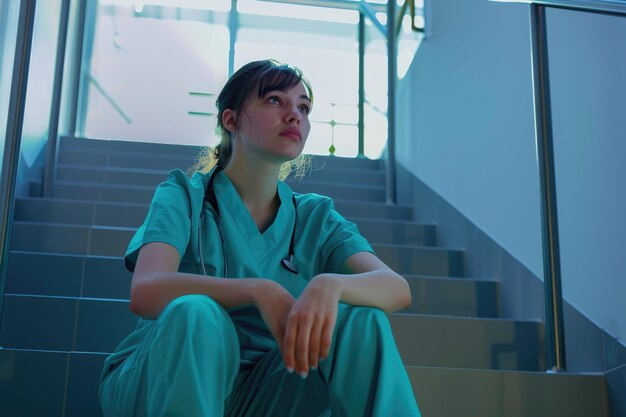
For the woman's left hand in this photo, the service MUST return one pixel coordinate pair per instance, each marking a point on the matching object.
(310, 325)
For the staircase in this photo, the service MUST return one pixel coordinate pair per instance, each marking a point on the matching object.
(66, 302)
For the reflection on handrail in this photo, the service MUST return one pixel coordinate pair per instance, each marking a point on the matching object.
(411, 5)
(108, 97)
(368, 11)
(375, 108)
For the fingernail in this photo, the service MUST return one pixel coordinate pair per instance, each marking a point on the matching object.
(313, 368)
(303, 375)
(290, 370)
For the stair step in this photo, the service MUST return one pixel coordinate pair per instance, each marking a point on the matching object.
(73, 275)
(143, 194)
(52, 323)
(105, 213)
(440, 392)
(69, 275)
(422, 260)
(444, 392)
(401, 232)
(462, 342)
(71, 239)
(149, 155)
(153, 177)
(454, 296)
(132, 215)
(113, 241)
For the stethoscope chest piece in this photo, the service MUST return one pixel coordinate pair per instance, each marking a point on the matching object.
(289, 266)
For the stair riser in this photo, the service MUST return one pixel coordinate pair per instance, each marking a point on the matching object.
(454, 297)
(105, 241)
(131, 215)
(422, 261)
(457, 392)
(51, 324)
(67, 275)
(128, 177)
(500, 393)
(38, 210)
(45, 323)
(102, 192)
(469, 343)
(130, 154)
(106, 278)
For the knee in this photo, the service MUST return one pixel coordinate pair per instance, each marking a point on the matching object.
(368, 320)
(194, 308)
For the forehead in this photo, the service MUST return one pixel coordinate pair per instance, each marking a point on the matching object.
(298, 90)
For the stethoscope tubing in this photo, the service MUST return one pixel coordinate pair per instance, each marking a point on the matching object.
(209, 196)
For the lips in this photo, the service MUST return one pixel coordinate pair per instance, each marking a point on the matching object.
(292, 133)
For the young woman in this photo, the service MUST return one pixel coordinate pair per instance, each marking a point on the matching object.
(298, 328)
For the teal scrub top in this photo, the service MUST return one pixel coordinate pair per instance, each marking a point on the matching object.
(323, 241)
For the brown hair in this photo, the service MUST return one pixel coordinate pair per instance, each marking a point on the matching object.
(260, 77)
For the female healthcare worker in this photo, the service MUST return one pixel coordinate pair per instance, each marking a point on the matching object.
(299, 327)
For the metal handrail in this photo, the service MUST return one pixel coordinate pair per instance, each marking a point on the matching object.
(411, 5)
(108, 97)
(13, 138)
(55, 108)
(555, 339)
(368, 10)
(392, 73)
(391, 32)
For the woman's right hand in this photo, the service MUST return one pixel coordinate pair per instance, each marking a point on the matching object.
(274, 303)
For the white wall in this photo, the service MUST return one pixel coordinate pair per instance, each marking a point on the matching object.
(465, 128)
(588, 84)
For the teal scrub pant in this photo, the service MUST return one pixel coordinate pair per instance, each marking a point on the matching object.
(188, 366)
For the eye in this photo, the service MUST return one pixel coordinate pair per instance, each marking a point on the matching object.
(273, 100)
(304, 108)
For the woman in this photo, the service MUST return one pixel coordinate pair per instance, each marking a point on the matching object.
(299, 328)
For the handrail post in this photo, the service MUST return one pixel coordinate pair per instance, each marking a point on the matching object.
(391, 102)
(555, 348)
(76, 68)
(13, 137)
(233, 27)
(361, 153)
(53, 129)
(89, 17)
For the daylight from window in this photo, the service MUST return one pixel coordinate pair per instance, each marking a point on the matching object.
(155, 68)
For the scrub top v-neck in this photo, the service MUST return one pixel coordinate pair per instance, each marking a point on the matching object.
(324, 240)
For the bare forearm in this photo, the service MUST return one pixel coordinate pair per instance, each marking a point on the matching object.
(151, 294)
(383, 289)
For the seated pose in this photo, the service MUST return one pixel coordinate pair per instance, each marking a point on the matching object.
(255, 301)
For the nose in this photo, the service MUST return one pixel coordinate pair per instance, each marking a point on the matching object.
(293, 115)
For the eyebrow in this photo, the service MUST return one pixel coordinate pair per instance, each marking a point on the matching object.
(303, 96)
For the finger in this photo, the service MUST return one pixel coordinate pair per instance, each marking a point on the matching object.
(315, 343)
(327, 338)
(289, 344)
(302, 346)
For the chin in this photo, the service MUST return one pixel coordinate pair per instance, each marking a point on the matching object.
(286, 155)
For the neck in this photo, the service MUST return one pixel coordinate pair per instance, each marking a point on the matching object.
(255, 181)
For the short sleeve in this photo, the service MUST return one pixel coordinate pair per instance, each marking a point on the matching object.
(168, 220)
(342, 240)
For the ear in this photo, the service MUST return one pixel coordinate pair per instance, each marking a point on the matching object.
(229, 120)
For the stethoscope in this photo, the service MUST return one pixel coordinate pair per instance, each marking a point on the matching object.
(209, 197)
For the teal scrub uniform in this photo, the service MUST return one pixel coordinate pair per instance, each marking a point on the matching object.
(198, 359)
